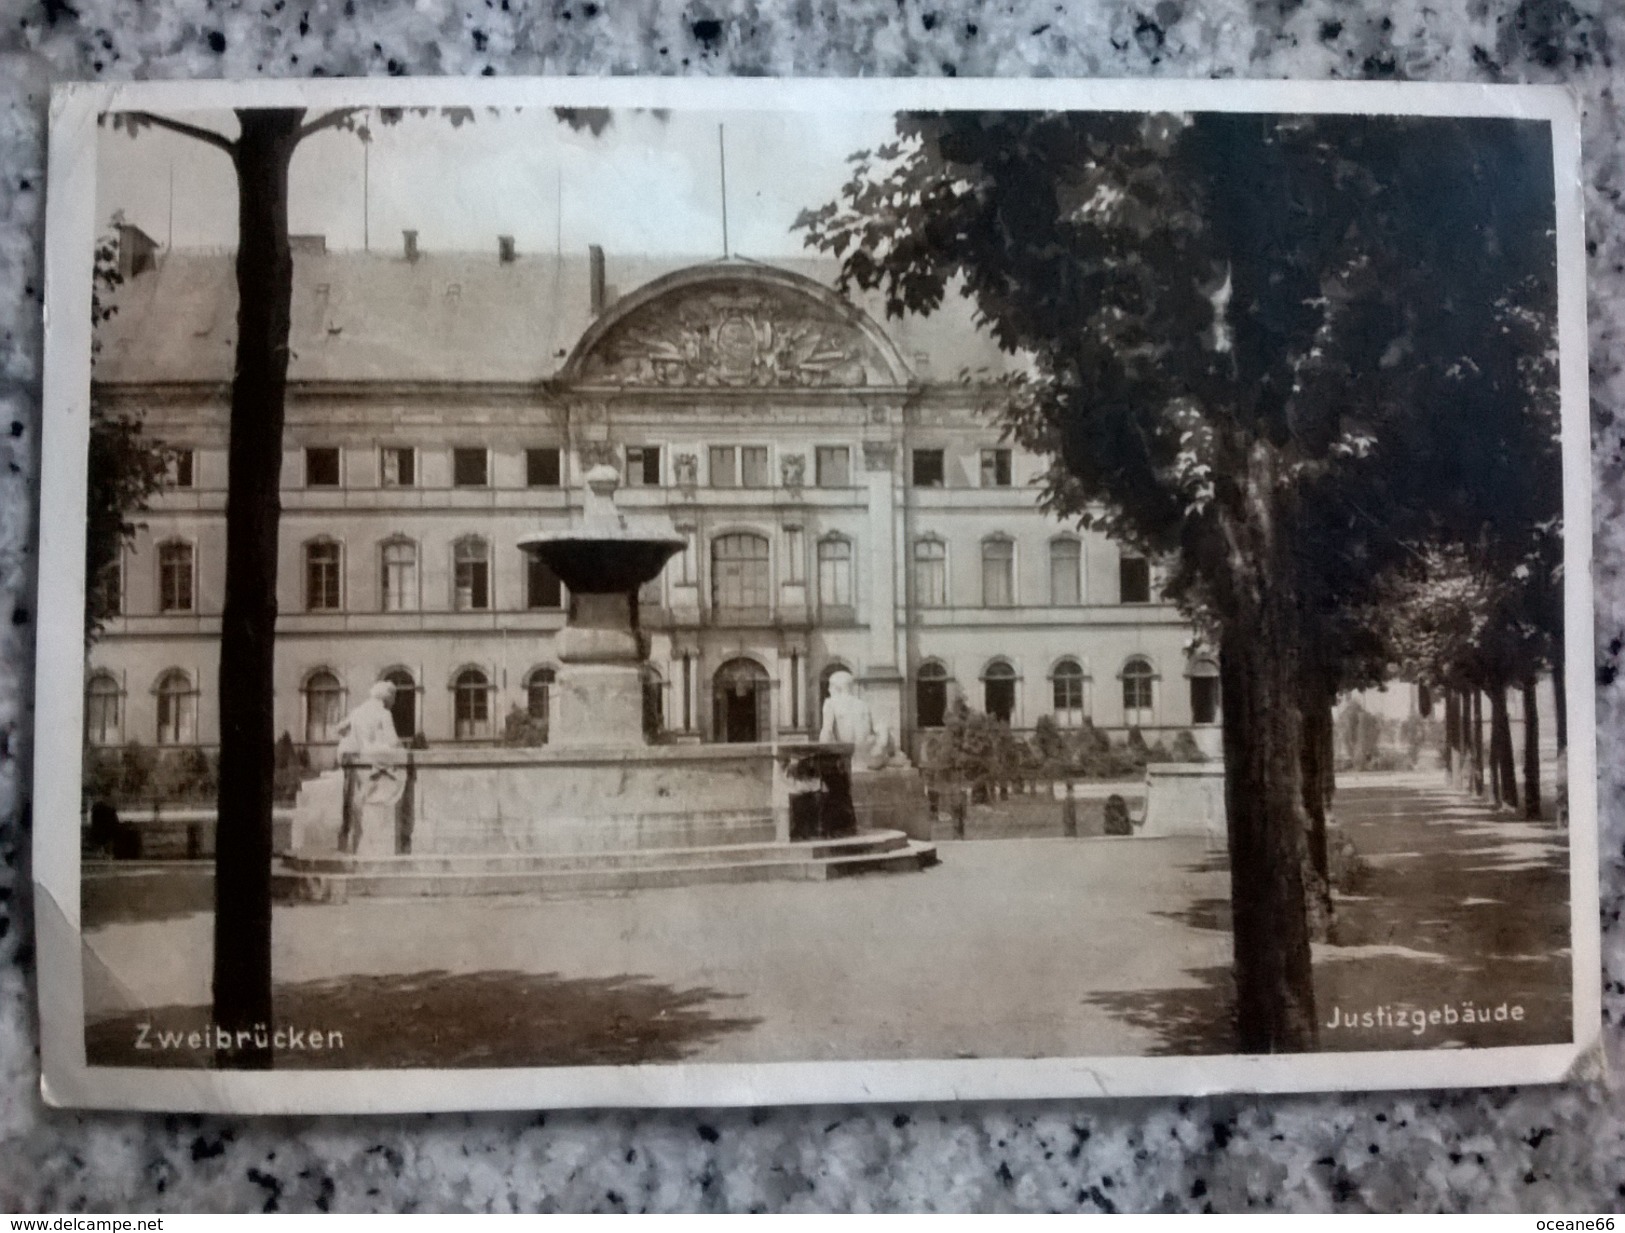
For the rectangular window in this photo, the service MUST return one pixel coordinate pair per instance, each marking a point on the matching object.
(996, 468)
(181, 473)
(400, 467)
(175, 578)
(1134, 580)
(542, 467)
(931, 573)
(643, 466)
(400, 576)
(322, 466)
(109, 587)
(472, 576)
(998, 573)
(724, 468)
(1065, 573)
(930, 469)
(835, 577)
(322, 576)
(833, 466)
(470, 467)
(542, 586)
(753, 467)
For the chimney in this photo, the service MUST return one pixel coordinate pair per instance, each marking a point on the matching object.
(411, 238)
(505, 250)
(595, 274)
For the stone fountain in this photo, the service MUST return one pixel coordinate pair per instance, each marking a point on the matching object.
(599, 807)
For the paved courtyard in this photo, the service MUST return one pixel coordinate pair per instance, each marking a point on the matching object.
(1011, 947)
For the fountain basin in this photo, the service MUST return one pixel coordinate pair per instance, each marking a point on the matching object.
(494, 821)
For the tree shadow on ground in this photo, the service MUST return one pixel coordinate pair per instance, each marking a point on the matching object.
(114, 895)
(1209, 915)
(443, 1019)
(1189, 1021)
(1461, 910)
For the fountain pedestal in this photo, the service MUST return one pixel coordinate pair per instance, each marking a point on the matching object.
(597, 697)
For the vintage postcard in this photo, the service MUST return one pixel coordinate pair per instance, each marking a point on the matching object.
(689, 592)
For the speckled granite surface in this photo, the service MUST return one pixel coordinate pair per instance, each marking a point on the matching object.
(1537, 1149)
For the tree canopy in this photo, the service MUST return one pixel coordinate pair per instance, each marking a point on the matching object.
(1281, 350)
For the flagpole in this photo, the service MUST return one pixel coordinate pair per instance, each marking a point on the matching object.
(722, 166)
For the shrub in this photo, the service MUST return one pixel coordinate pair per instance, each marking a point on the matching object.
(136, 767)
(1185, 748)
(521, 728)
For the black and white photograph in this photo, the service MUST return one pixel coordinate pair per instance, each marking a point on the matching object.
(583, 593)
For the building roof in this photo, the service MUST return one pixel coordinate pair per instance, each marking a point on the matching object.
(458, 317)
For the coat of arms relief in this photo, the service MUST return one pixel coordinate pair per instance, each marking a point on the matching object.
(739, 335)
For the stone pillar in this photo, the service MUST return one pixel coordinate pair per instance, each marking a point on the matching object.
(882, 682)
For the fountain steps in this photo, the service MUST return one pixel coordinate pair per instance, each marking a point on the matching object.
(332, 879)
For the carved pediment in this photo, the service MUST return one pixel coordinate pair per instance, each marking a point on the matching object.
(734, 333)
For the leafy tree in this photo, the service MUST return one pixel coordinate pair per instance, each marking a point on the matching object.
(1221, 316)
(126, 468)
(261, 153)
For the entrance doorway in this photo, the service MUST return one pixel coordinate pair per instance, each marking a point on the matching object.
(742, 702)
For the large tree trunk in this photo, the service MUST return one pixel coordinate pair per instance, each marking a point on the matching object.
(1501, 748)
(1316, 763)
(1476, 735)
(1560, 695)
(242, 918)
(1259, 666)
(1531, 750)
(1452, 735)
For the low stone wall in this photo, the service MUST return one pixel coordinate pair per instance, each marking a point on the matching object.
(174, 835)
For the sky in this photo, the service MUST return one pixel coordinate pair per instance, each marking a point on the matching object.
(645, 186)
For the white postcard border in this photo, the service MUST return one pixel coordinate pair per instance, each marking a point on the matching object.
(70, 214)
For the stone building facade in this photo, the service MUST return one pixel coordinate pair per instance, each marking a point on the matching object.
(848, 503)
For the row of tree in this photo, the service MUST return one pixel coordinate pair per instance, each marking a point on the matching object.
(1311, 361)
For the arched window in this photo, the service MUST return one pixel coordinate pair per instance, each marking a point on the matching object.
(104, 710)
(471, 705)
(400, 575)
(405, 707)
(998, 572)
(324, 706)
(177, 590)
(930, 573)
(471, 574)
(177, 709)
(539, 700)
(1139, 692)
(740, 582)
(322, 590)
(1204, 677)
(999, 690)
(1068, 684)
(931, 694)
(835, 576)
(539, 694)
(1065, 572)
